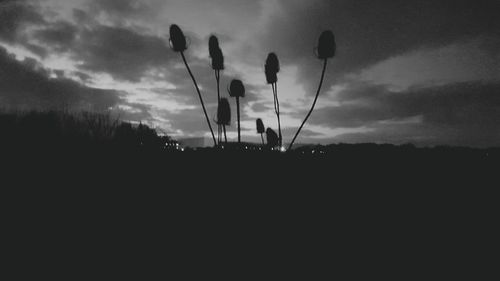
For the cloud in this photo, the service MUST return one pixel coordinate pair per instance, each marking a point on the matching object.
(368, 32)
(14, 16)
(26, 84)
(122, 53)
(456, 113)
(59, 35)
(475, 59)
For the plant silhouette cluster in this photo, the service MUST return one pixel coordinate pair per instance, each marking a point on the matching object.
(325, 50)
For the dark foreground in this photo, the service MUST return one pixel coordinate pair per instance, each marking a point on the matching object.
(101, 213)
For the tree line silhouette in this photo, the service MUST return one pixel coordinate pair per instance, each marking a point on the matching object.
(325, 50)
(60, 129)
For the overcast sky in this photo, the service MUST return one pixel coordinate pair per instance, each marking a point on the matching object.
(426, 71)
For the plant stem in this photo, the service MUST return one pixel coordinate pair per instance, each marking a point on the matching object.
(278, 113)
(225, 136)
(238, 113)
(201, 99)
(219, 127)
(314, 103)
(262, 137)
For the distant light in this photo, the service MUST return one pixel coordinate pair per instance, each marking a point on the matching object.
(246, 147)
(182, 149)
(282, 149)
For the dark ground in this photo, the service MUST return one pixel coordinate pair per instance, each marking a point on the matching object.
(241, 215)
(78, 207)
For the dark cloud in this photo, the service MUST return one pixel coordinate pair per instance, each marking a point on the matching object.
(121, 10)
(27, 85)
(123, 53)
(468, 112)
(124, 7)
(370, 31)
(262, 107)
(59, 35)
(14, 16)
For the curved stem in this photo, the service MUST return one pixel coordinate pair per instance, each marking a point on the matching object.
(225, 136)
(278, 113)
(312, 107)
(238, 113)
(201, 99)
(274, 99)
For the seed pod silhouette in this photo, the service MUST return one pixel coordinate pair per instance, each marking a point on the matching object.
(217, 60)
(326, 45)
(213, 45)
(237, 90)
(177, 38)
(271, 76)
(260, 129)
(326, 49)
(272, 138)
(178, 44)
(273, 63)
(224, 115)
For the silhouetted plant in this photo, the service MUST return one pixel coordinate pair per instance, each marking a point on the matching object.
(217, 65)
(260, 129)
(224, 115)
(272, 68)
(272, 138)
(178, 44)
(237, 90)
(325, 50)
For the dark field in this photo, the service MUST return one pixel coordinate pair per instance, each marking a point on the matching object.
(103, 203)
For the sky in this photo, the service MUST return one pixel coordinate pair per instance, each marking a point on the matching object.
(425, 72)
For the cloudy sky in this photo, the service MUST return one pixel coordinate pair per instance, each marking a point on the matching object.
(426, 72)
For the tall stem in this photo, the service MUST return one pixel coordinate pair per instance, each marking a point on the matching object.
(314, 103)
(219, 127)
(262, 137)
(201, 99)
(238, 114)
